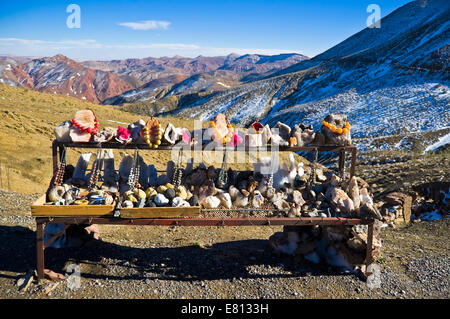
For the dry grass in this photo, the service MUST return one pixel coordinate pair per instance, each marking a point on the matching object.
(27, 119)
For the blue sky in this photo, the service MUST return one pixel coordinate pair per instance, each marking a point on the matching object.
(125, 29)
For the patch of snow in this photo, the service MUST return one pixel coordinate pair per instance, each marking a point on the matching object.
(442, 141)
(432, 35)
(430, 216)
(117, 122)
(220, 83)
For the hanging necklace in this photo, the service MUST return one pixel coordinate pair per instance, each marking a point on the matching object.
(223, 174)
(270, 180)
(133, 178)
(178, 171)
(59, 177)
(95, 171)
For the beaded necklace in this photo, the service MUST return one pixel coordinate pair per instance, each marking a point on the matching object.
(178, 171)
(61, 169)
(337, 130)
(149, 136)
(223, 174)
(95, 171)
(133, 177)
(87, 129)
(227, 138)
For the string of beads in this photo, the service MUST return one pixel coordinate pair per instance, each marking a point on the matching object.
(335, 129)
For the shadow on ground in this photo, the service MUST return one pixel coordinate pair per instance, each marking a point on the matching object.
(226, 260)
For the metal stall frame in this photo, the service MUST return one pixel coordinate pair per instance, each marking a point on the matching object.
(57, 148)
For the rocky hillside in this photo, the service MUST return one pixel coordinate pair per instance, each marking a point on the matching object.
(147, 92)
(61, 75)
(11, 74)
(389, 80)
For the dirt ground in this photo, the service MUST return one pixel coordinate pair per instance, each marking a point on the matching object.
(218, 262)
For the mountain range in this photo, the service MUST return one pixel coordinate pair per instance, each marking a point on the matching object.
(140, 79)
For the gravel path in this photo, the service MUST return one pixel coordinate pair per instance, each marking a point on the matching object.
(12, 201)
(12, 208)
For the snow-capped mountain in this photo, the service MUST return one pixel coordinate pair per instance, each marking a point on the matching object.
(388, 79)
(142, 71)
(202, 74)
(255, 65)
(61, 75)
(145, 79)
(150, 91)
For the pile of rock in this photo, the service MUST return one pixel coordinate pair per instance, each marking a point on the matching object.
(339, 246)
(291, 190)
(397, 209)
(431, 201)
(161, 196)
(427, 201)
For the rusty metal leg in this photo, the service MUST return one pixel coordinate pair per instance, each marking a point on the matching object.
(54, 158)
(40, 249)
(353, 164)
(342, 163)
(60, 154)
(369, 249)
